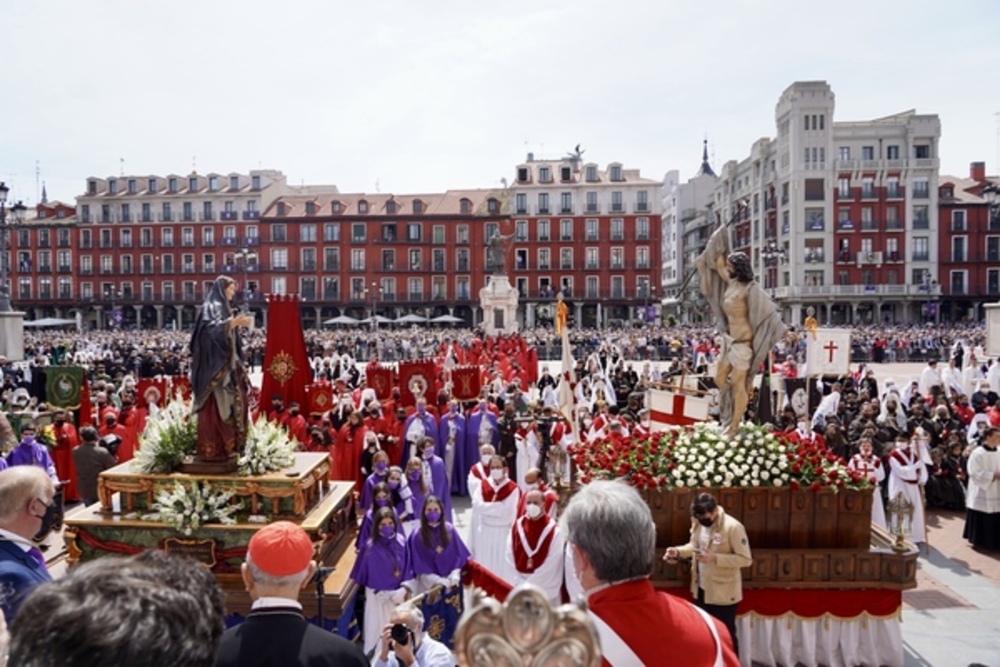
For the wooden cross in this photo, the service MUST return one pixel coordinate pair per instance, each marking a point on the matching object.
(830, 347)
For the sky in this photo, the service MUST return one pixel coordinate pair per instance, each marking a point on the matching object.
(421, 96)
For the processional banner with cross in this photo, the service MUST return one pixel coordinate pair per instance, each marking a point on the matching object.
(828, 352)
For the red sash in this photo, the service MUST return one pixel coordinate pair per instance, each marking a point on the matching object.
(491, 494)
(538, 542)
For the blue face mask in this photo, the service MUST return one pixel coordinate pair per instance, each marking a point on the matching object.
(387, 531)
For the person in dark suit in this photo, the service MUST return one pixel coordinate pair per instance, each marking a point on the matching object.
(279, 564)
(27, 511)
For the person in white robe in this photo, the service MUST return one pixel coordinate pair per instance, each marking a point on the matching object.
(907, 474)
(480, 470)
(930, 377)
(982, 499)
(494, 509)
(535, 548)
(951, 380)
(993, 375)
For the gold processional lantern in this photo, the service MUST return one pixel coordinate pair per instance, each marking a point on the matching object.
(900, 511)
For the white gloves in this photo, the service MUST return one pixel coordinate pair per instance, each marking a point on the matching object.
(455, 578)
(398, 596)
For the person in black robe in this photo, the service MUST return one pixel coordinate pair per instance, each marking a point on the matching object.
(219, 381)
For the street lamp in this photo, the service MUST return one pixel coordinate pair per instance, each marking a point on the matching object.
(113, 294)
(18, 211)
(245, 255)
(991, 193)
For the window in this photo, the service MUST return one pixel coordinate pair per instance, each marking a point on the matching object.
(958, 221)
(418, 207)
(892, 152)
(867, 152)
(642, 202)
(591, 233)
(642, 258)
(958, 280)
(439, 289)
(993, 281)
(438, 262)
(492, 205)
(357, 260)
(208, 263)
(462, 259)
(416, 259)
(543, 230)
(331, 232)
(522, 174)
(843, 188)
(593, 287)
(415, 286)
(617, 287)
(362, 206)
(336, 207)
(617, 229)
(591, 173)
(566, 258)
(921, 249)
(462, 234)
(867, 188)
(616, 173)
(642, 229)
(993, 248)
(438, 234)
(566, 202)
(591, 259)
(544, 175)
(544, 259)
(279, 259)
(922, 152)
(921, 218)
(521, 230)
(521, 260)
(389, 232)
(892, 218)
(616, 202)
(565, 230)
(308, 258)
(592, 202)
(126, 213)
(113, 186)
(892, 188)
(208, 236)
(618, 258)
(414, 232)
(543, 203)
(465, 207)
(279, 233)
(892, 249)
(358, 232)
(815, 189)
(521, 203)
(958, 248)
(921, 188)
(390, 207)
(331, 259)
(255, 182)
(867, 221)
(844, 153)
(462, 288)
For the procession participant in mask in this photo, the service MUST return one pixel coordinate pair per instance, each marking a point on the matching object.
(720, 548)
(381, 496)
(907, 474)
(298, 428)
(494, 509)
(480, 429)
(434, 473)
(420, 424)
(27, 511)
(533, 481)
(30, 452)
(982, 522)
(451, 447)
(535, 547)
(437, 552)
(869, 465)
(419, 488)
(379, 475)
(62, 453)
(480, 470)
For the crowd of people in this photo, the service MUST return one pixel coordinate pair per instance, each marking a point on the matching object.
(933, 440)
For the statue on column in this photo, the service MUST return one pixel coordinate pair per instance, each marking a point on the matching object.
(498, 248)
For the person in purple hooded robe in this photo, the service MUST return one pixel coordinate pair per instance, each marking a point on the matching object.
(480, 429)
(435, 476)
(381, 497)
(437, 552)
(419, 489)
(30, 452)
(380, 475)
(451, 448)
(383, 568)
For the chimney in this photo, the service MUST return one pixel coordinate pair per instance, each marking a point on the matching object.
(531, 157)
(977, 171)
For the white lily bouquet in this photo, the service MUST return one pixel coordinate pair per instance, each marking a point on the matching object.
(268, 448)
(191, 505)
(169, 436)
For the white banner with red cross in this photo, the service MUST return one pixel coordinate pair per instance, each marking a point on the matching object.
(668, 408)
(828, 352)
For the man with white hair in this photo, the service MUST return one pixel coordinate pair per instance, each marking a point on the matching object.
(404, 642)
(278, 565)
(27, 510)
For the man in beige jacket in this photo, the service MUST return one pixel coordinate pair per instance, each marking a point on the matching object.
(719, 548)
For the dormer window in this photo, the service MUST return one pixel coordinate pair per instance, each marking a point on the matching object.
(418, 206)
(465, 207)
(544, 175)
(362, 206)
(310, 208)
(281, 208)
(91, 187)
(172, 185)
(492, 205)
(213, 183)
(616, 172)
(193, 184)
(566, 173)
(591, 173)
(390, 207)
(335, 207)
(522, 174)
(113, 186)
(947, 192)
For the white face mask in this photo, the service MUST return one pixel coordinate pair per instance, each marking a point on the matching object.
(533, 511)
(803, 427)
(531, 487)
(485, 459)
(497, 474)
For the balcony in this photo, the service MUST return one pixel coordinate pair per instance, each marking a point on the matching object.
(866, 258)
(893, 226)
(617, 208)
(920, 257)
(642, 207)
(331, 266)
(251, 241)
(921, 223)
(592, 208)
(415, 296)
(251, 215)
(543, 210)
(228, 215)
(869, 226)
(566, 210)
(65, 269)
(229, 241)
(308, 266)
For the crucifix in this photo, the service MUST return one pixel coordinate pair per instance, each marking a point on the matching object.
(830, 347)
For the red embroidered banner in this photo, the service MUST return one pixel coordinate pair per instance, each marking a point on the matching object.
(286, 366)
(416, 378)
(182, 384)
(379, 378)
(320, 397)
(466, 383)
(154, 390)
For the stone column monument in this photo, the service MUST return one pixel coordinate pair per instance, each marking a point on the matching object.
(992, 329)
(498, 298)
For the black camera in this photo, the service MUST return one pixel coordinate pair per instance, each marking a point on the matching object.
(400, 634)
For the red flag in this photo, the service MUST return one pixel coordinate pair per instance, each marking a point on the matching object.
(182, 384)
(379, 378)
(154, 389)
(320, 397)
(286, 366)
(466, 383)
(416, 377)
(86, 407)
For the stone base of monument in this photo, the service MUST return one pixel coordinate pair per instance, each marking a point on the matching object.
(499, 300)
(302, 493)
(12, 336)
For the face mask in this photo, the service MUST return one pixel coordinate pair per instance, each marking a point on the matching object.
(706, 521)
(414, 476)
(533, 511)
(381, 502)
(532, 487)
(497, 474)
(803, 427)
(433, 516)
(421, 409)
(387, 531)
(381, 465)
(393, 483)
(485, 459)
(428, 453)
(49, 520)
(454, 409)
